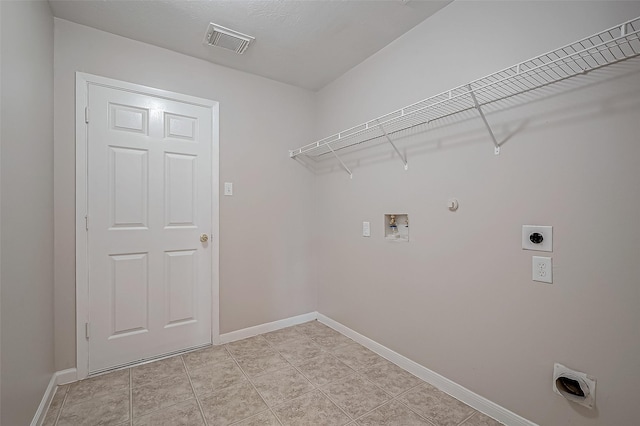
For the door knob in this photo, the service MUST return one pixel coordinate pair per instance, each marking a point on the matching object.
(204, 238)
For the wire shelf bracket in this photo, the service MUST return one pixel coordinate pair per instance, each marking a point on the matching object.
(341, 162)
(496, 149)
(403, 158)
(599, 50)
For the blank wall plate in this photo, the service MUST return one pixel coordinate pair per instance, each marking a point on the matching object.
(366, 229)
(547, 237)
(228, 188)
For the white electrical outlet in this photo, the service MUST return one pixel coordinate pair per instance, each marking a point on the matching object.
(228, 188)
(538, 238)
(542, 269)
(366, 229)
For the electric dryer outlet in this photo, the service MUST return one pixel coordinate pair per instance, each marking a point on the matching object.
(537, 237)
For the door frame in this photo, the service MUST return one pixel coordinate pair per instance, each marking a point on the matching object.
(83, 80)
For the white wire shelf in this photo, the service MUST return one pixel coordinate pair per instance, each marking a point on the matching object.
(599, 50)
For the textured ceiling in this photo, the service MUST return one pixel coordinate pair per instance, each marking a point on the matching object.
(304, 43)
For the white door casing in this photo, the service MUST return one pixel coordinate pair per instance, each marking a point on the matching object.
(147, 190)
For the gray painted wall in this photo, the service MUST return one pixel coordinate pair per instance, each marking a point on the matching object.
(458, 298)
(27, 208)
(265, 240)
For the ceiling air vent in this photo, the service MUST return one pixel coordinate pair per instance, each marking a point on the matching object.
(228, 39)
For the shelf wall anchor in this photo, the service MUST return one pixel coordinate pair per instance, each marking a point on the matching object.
(404, 159)
(343, 165)
(496, 149)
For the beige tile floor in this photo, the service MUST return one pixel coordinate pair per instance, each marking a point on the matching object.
(308, 374)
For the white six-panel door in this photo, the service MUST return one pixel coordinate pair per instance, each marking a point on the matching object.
(149, 212)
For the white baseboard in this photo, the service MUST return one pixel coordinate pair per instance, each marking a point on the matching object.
(265, 328)
(461, 393)
(38, 418)
(63, 377)
(58, 378)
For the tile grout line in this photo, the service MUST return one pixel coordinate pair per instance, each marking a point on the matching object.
(130, 397)
(351, 419)
(299, 372)
(473, 413)
(64, 399)
(373, 409)
(305, 376)
(253, 385)
(305, 336)
(355, 372)
(397, 398)
(467, 418)
(155, 410)
(399, 402)
(404, 392)
(318, 387)
(195, 395)
(391, 398)
(250, 379)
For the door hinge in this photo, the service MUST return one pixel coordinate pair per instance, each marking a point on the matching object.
(86, 330)
(86, 114)
(86, 223)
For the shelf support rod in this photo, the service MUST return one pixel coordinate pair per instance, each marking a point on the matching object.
(343, 165)
(496, 149)
(386, 135)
